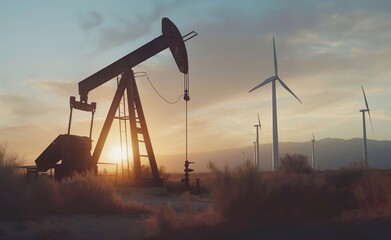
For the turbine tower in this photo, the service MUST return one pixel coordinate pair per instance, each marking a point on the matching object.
(258, 127)
(313, 151)
(365, 148)
(255, 154)
(273, 79)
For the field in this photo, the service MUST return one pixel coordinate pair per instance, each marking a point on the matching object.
(240, 203)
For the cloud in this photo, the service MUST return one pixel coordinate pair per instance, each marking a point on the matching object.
(59, 87)
(16, 108)
(65, 89)
(119, 30)
(90, 21)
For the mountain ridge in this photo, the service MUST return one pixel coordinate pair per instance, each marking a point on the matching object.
(330, 153)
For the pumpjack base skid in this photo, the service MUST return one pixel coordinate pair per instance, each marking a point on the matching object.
(73, 152)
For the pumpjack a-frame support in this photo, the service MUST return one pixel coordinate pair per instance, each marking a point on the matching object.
(138, 128)
(171, 38)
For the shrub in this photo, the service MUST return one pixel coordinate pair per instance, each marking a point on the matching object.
(165, 219)
(85, 194)
(295, 163)
(245, 195)
(8, 158)
(13, 200)
(20, 199)
(372, 194)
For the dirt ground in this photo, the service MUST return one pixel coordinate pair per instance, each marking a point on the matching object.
(379, 229)
(123, 227)
(97, 227)
(80, 227)
(75, 227)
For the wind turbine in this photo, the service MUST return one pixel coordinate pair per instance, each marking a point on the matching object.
(273, 79)
(257, 126)
(313, 151)
(243, 159)
(365, 149)
(255, 154)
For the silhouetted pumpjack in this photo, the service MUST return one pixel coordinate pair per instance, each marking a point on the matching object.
(171, 38)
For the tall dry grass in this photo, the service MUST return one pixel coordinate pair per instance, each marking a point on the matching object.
(85, 194)
(372, 195)
(245, 195)
(88, 194)
(13, 200)
(164, 219)
(76, 195)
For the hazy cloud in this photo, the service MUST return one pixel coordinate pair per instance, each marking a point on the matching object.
(58, 87)
(90, 20)
(125, 29)
(17, 108)
(325, 52)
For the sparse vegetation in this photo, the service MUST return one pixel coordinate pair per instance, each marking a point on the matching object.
(21, 199)
(295, 163)
(240, 197)
(244, 195)
(165, 219)
(80, 195)
(8, 158)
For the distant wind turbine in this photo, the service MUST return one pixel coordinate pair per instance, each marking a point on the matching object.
(273, 79)
(255, 154)
(365, 148)
(313, 151)
(257, 126)
(243, 159)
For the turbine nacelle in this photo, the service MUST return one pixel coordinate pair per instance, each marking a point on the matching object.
(259, 122)
(275, 77)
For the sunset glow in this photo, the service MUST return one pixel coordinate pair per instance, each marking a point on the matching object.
(326, 52)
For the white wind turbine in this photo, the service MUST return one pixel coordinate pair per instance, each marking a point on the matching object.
(255, 154)
(313, 151)
(258, 127)
(273, 79)
(365, 148)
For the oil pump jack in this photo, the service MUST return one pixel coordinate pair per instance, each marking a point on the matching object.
(74, 151)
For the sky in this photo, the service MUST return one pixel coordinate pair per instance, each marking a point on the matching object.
(326, 50)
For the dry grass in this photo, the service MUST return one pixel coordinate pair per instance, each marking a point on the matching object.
(165, 219)
(372, 195)
(13, 199)
(9, 158)
(80, 195)
(244, 195)
(240, 196)
(22, 199)
(77, 195)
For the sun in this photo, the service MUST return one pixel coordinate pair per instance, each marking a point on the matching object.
(115, 154)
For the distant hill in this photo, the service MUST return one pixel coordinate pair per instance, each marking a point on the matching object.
(330, 153)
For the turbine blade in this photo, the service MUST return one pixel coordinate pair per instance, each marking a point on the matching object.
(287, 88)
(259, 121)
(264, 83)
(365, 98)
(370, 119)
(275, 58)
(313, 137)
